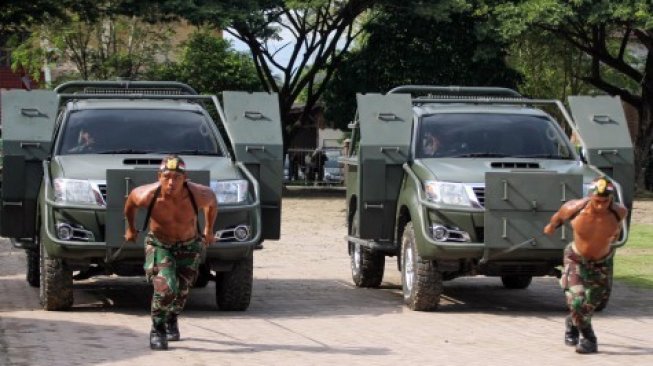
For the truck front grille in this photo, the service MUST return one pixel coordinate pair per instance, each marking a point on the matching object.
(480, 195)
(103, 191)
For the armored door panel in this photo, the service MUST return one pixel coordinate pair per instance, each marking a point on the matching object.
(27, 122)
(253, 124)
(122, 181)
(527, 191)
(603, 128)
(601, 122)
(385, 126)
(28, 119)
(506, 229)
(21, 181)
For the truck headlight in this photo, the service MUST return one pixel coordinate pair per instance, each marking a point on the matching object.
(230, 191)
(447, 193)
(77, 191)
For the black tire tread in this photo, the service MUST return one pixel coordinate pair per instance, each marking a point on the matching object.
(372, 266)
(372, 269)
(203, 277)
(233, 290)
(428, 285)
(33, 270)
(56, 290)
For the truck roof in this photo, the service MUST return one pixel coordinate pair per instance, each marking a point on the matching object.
(431, 108)
(133, 104)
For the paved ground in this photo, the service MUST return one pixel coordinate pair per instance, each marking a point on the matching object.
(305, 311)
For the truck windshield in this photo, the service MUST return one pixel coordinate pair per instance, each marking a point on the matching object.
(138, 131)
(460, 135)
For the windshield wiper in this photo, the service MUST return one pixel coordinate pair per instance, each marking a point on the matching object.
(193, 152)
(124, 151)
(542, 156)
(480, 155)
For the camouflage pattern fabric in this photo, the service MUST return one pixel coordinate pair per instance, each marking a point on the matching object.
(586, 284)
(172, 269)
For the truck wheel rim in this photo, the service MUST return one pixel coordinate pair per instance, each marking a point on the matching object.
(410, 269)
(357, 257)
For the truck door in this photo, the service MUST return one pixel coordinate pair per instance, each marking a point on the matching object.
(385, 126)
(602, 125)
(253, 124)
(28, 119)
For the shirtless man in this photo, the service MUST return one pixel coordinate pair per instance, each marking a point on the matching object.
(596, 222)
(174, 243)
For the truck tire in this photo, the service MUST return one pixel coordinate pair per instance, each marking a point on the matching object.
(33, 272)
(367, 266)
(516, 282)
(203, 277)
(420, 279)
(56, 291)
(233, 290)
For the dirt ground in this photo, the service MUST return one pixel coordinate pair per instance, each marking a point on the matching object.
(305, 311)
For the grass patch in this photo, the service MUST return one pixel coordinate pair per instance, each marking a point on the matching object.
(634, 262)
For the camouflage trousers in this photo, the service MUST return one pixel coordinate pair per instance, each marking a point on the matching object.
(586, 284)
(172, 270)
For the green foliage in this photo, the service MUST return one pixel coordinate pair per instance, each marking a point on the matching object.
(617, 39)
(403, 46)
(633, 261)
(210, 65)
(104, 48)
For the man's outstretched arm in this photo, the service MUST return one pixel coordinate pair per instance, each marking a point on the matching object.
(136, 199)
(210, 207)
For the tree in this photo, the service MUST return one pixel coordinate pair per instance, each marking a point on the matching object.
(616, 36)
(317, 34)
(210, 65)
(550, 68)
(403, 45)
(16, 16)
(101, 47)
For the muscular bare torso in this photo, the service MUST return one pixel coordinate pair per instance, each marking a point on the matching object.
(173, 217)
(596, 225)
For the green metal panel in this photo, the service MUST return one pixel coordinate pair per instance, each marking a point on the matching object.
(385, 126)
(119, 183)
(505, 229)
(519, 204)
(603, 128)
(530, 191)
(28, 119)
(253, 124)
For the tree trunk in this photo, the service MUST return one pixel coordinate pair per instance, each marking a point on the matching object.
(644, 138)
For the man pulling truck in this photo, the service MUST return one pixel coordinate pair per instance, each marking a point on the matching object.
(596, 221)
(174, 243)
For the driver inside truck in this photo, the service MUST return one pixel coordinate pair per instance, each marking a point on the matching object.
(85, 142)
(430, 144)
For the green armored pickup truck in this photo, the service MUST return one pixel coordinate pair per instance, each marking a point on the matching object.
(71, 156)
(457, 181)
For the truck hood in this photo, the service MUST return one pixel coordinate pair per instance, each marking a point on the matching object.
(464, 170)
(94, 167)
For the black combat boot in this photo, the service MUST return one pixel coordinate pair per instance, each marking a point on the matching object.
(158, 339)
(587, 344)
(571, 332)
(172, 329)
